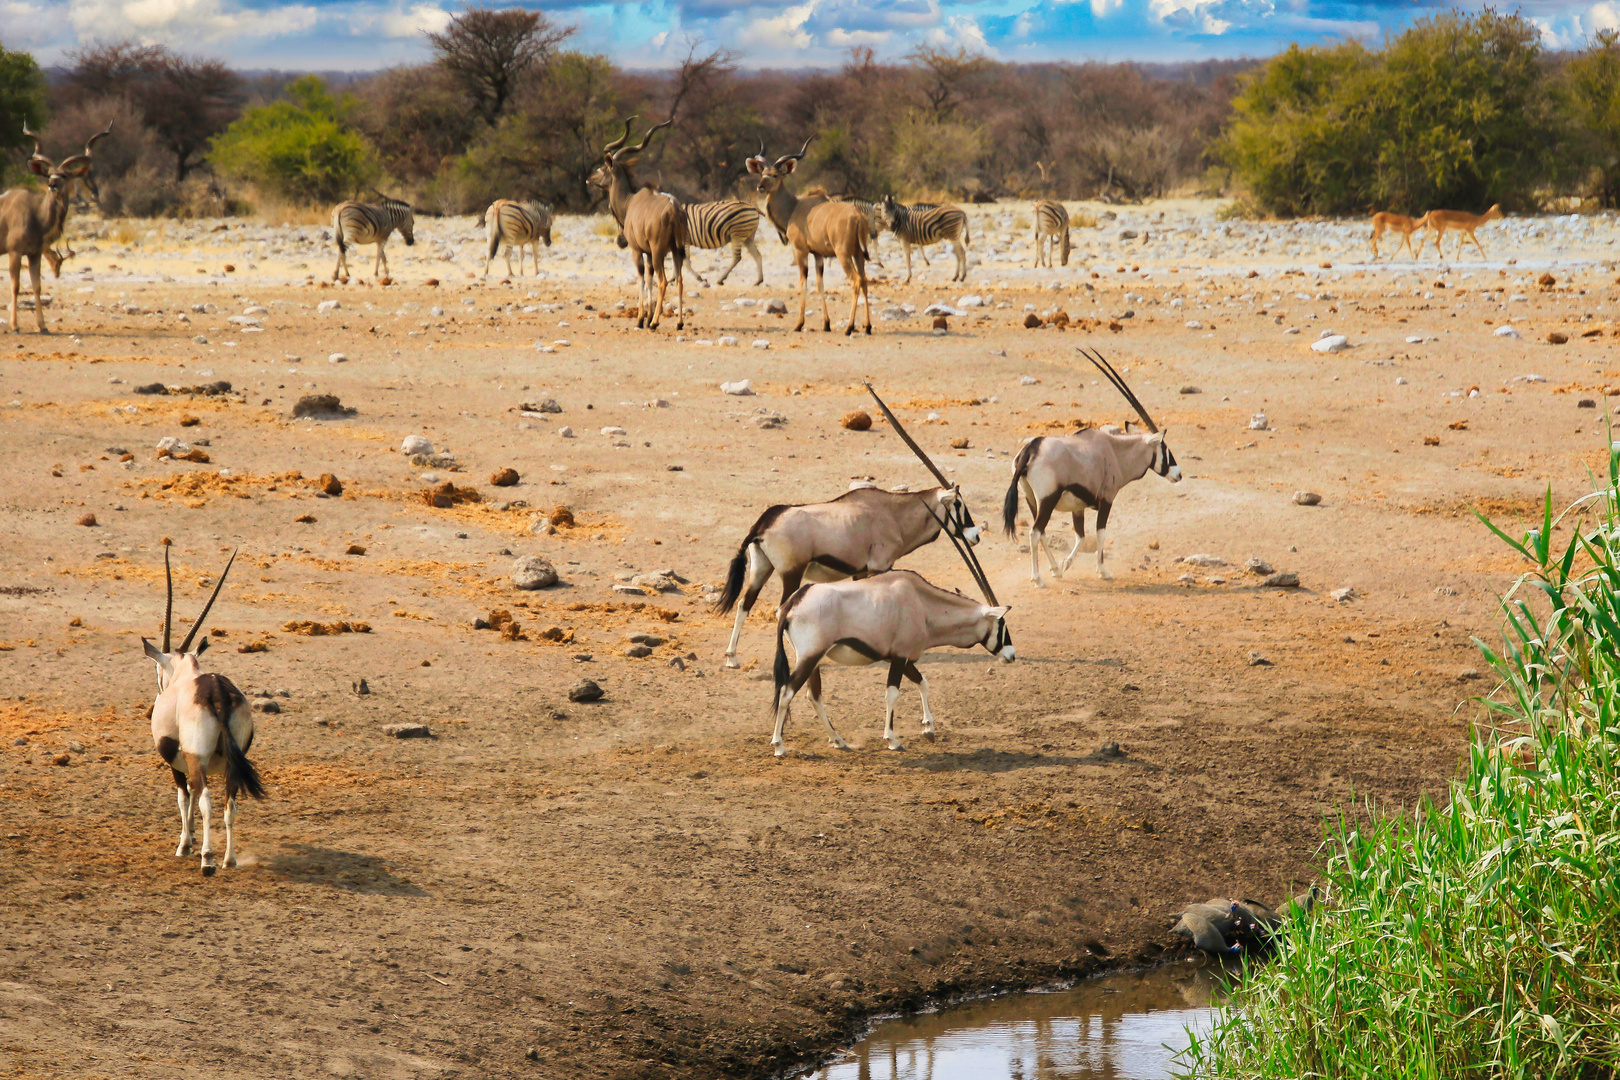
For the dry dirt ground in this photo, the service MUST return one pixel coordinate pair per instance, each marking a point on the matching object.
(635, 887)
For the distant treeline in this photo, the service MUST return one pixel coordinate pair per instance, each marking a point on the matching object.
(1461, 110)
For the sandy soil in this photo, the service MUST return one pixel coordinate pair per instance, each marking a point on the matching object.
(635, 887)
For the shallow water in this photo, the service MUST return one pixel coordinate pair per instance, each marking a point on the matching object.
(1124, 1027)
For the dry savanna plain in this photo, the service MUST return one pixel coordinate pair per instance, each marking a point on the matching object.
(635, 887)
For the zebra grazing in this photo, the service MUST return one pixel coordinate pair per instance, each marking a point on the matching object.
(370, 223)
(923, 224)
(728, 223)
(1051, 231)
(519, 225)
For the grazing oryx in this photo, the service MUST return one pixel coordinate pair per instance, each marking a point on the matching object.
(925, 224)
(370, 223)
(729, 223)
(860, 533)
(201, 724)
(895, 617)
(816, 225)
(31, 221)
(1086, 469)
(651, 223)
(518, 225)
(1051, 227)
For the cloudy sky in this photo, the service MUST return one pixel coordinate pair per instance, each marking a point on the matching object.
(360, 34)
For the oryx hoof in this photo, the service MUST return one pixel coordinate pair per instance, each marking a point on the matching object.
(230, 862)
(182, 851)
(1039, 584)
(779, 749)
(840, 744)
(896, 744)
(1105, 573)
(928, 733)
(731, 662)
(208, 868)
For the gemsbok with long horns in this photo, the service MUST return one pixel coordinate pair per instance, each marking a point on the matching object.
(651, 224)
(892, 617)
(1083, 471)
(32, 221)
(202, 725)
(524, 226)
(370, 223)
(816, 225)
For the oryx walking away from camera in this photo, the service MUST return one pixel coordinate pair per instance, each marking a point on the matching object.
(1084, 470)
(1051, 226)
(816, 225)
(202, 725)
(651, 224)
(517, 225)
(31, 221)
(370, 223)
(729, 223)
(924, 224)
(862, 532)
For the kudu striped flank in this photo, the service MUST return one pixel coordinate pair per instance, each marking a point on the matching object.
(917, 226)
(516, 225)
(651, 223)
(32, 221)
(370, 223)
(729, 223)
(816, 225)
(202, 726)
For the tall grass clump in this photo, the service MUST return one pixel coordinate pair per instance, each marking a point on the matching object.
(1479, 938)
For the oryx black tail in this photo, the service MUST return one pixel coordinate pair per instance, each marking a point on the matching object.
(1009, 505)
(738, 571)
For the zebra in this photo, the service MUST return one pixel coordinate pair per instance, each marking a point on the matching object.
(876, 224)
(728, 223)
(370, 223)
(1051, 231)
(925, 224)
(520, 225)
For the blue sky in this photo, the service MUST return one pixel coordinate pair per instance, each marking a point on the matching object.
(362, 34)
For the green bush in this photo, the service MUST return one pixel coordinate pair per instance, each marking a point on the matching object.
(1480, 938)
(1458, 112)
(303, 150)
(1593, 79)
(22, 99)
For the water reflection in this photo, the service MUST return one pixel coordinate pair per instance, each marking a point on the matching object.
(1125, 1027)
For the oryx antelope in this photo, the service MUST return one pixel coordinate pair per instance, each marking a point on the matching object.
(1084, 470)
(651, 223)
(202, 725)
(1385, 222)
(1051, 226)
(370, 223)
(729, 223)
(860, 533)
(925, 224)
(895, 617)
(815, 224)
(32, 221)
(524, 226)
(1443, 221)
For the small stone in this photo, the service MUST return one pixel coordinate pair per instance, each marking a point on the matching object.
(1258, 566)
(533, 572)
(726, 341)
(266, 707)
(762, 343)
(355, 549)
(859, 420)
(1283, 579)
(329, 485)
(504, 477)
(1203, 560)
(337, 358)
(637, 651)
(677, 663)
(1505, 331)
(362, 688)
(1467, 674)
(1586, 403)
(1032, 321)
(1557, 338)
(328, 305)
(644, 639)
(1331, 344)
(740, 388)
(1307, 498)
(1258, 422)
(1546, 281)
(585, 689)
(1194, 324)
(960, 443)
(1344, 595)
(414, 445)
(87, 520)
(61, 759)
(1027, 380)
(565, 433)
(1190, 390)
(320, 405)
(1256, 660)
(614, 429)
(408, 731)
(775, 306)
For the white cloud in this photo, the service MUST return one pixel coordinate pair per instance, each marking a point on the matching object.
(184, 22)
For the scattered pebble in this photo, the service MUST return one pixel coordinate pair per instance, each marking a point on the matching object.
(1307, 498)
(1331, 344)
(1283, 579)
(414, 445)
(408, 731)
(740, 388)
(585, 689)
(533, 572)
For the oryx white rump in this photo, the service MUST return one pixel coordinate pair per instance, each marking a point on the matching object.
(201, 725)
(1085, 470)
(893, 617)
(861, 532)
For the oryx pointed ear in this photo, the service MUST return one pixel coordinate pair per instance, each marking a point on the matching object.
(1158, 436)
(950, 495)
(151, 651)
(1129, 424)
(999, 612)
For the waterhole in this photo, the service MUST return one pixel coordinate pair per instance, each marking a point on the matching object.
(1123, 1027)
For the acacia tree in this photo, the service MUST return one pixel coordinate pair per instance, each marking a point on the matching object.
(492, 54)
(1594, 89)
(22, 100)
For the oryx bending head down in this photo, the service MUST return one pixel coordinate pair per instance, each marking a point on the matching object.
(892, 618)
(1085, 470)
(201, 725)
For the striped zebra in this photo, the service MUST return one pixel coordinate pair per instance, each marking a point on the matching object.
(519, 225)
(728, 223)
(1051, 231)
(876, 224)
(370, 223)
(926, 224)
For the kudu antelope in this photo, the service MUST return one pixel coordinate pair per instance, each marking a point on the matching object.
(202, 725)
(1084, 470)
(32, 221)
(1382, 223)
(651, 224)
(816, 225)
(1051, 226)
(370, 223)
(1443, 221)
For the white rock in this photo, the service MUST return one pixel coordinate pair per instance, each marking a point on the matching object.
(762, 343)
(1400, 380)
(415, 444)
(256, 309)
(1505, 331)
(1344, 595)
(973, 300)
(533, 572)
(168, 442)
(244, 320)
(614, 429)
(893, 313)
(775, 306)
(740, 388)
(1416, 339)
(1331, 344)
(1529, 378)
(1258, 422)
(942, 309)
(329, 305)
(337, 358)
(1204, 560)
(726, 341)
(1027, 380)
(565, 432)
(435, 311)
(1194, 324)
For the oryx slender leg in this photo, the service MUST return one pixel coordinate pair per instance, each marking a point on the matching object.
(230, 825)
(205, 807)
(915, 675)
(792, 578)
(759, 572)
(1079, 517)
(897, 668)
(1102, 538)
(183, 798)
(821, 291)
(814, 685)
(801, 674)
(1037, 539)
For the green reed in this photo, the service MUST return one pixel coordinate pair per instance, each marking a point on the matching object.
(1480, 938)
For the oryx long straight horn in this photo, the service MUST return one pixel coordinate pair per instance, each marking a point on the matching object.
(185, 646)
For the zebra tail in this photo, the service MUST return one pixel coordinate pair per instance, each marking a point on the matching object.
(967, 239)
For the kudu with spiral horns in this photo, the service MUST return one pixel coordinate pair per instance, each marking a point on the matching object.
(651, 222)
(32, 221)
